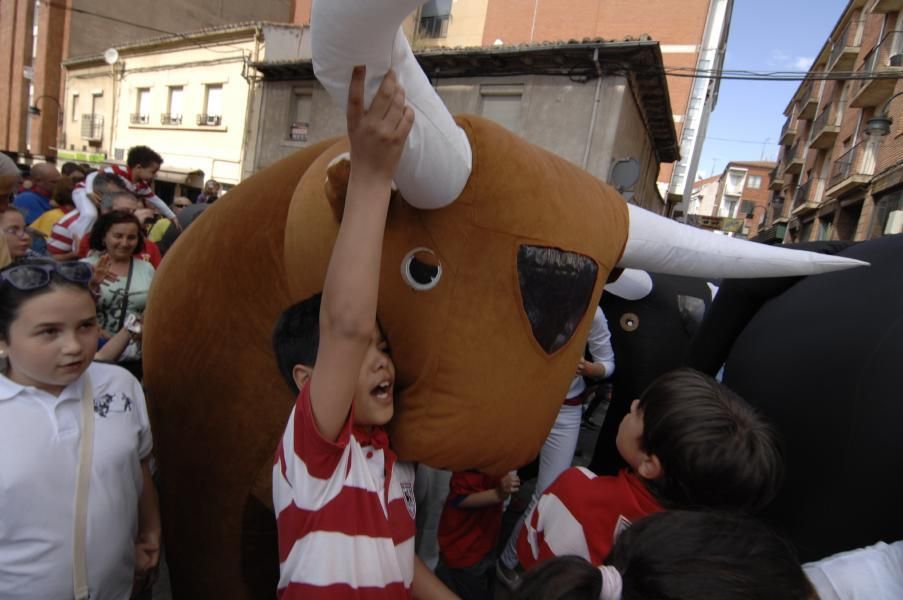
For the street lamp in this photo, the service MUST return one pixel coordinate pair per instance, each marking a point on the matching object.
(34, 111)
(879, 125)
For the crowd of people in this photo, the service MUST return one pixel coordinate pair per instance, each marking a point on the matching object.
(79, 510)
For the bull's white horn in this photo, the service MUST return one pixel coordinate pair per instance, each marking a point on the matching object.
(661, 245)
(437, 158)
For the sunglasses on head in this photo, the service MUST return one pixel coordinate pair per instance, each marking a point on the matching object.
(35, 276)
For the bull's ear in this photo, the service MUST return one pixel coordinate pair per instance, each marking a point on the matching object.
(337, 174)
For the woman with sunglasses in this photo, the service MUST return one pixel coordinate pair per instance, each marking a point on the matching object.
(78, 509)
(116, 239)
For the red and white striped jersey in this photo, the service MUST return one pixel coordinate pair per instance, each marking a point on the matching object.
(582, 514)
(62, 237)
(345, 513)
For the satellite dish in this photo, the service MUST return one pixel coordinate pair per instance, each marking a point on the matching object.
(625, 172)
(111, 56)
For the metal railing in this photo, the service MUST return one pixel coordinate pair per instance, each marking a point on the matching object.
(433, 27)
(170, 119)
(806, 94)
(848, 164)
(792, 154)
(789, 126)
(879, 56)
(844, 40)
(209, 120)
(829, 116)
(92, 127)
(139, 119)
(801, 195)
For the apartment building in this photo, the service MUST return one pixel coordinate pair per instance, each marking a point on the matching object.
(692, 35)
(550, 94)
(734, 202)
(188, 96)
(37, 35)
(840, 170)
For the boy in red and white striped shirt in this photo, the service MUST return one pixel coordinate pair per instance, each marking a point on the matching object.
(345, 507)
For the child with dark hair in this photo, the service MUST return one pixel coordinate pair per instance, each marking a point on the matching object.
(469, 530)
(690, 443)
(679, 555)
(54, 402)
(142, 164)
(345, 507)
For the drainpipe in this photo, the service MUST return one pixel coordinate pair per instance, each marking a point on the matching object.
(252, 84)
(592, 121)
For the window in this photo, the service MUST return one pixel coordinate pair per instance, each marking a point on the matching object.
(501, 103)
(75, 107)
(825, 228)
(142, 107)
(754, 182)
(728, 208)
(213, 107)
(174, 106)
(434, 17)
(299, 120)
(746, 208)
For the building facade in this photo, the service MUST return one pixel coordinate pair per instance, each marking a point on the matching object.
(692, 33)
(37, 35)
(187, 96)
(734, 202)
(549, 94)
(838, 177)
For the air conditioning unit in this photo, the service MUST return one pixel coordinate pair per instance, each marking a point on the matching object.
(894, 223)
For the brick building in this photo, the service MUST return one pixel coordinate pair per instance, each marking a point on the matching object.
(837, 178)
(693, 37)
(735, 201)
(37, 35)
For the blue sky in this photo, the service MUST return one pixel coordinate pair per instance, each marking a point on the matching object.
(765, 35)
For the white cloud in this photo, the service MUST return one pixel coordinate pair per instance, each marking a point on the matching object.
(781, 60)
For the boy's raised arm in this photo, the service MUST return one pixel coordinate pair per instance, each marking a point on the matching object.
(348, 308)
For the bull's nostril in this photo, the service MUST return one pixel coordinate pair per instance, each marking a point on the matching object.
(556, 288)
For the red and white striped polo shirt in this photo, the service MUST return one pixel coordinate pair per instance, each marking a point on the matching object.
(581, 514)
(62, 237)
(345, 513)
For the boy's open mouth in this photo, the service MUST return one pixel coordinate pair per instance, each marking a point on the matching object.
(383, 391)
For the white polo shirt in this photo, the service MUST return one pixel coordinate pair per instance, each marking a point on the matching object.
(39, 441)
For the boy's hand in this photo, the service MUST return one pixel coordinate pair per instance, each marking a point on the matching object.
(510, 483)
(147, 561)
(378, 134)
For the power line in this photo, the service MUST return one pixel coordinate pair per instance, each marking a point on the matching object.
(89, 13)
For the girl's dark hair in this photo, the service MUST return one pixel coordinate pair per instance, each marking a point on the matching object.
(105, 223)
(715, 450)
(62, 192)
(684, 555)
(12, 298)
(296, 338)
(561, 578)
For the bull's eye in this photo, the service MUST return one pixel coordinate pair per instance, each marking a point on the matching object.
(421, 269)
(556, 288)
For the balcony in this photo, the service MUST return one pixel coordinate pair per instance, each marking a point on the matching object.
(808, 102)
(788, 133)
(807, 196)
(170, 119)
(846, 48)
(795, 159)
(852, 170)
(92, 127)
(825, 128)
(209, 120)
(880, 71)
(776, 183)
(139, 119)
(887, 6)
